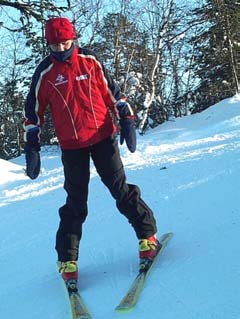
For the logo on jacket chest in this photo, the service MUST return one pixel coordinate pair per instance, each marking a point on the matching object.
(81, 77)
(60, 80)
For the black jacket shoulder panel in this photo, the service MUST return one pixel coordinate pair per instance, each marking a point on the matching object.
(30, 102)
(43, 65)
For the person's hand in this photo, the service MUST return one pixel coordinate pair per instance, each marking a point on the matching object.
(127, 125)
(32, 155)
(33, 163)
(128, 133)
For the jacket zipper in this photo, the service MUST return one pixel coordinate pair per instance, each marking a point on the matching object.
(90, 97)
(69, 112)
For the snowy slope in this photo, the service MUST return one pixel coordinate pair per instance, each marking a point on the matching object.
(189, 173)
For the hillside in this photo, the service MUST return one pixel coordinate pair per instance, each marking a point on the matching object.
(189, 173)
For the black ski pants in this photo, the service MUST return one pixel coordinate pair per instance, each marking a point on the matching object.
(76, 164)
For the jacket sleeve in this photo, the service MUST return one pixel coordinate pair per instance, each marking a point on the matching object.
(112, 85)
(35, 103)
(113, 93)
(110, 90)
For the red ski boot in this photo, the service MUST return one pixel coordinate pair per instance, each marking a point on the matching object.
(148, 249)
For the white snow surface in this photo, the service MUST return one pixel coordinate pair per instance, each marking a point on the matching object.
(189, 174)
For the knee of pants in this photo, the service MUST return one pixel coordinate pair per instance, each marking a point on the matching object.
(73, 213)
(118, 187)
(130, 193)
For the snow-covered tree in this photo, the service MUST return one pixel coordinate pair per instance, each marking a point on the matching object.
(215, 58)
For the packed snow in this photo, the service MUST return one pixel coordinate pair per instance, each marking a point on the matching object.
(189, 174)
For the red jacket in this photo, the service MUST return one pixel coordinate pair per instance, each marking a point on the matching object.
(81, 96)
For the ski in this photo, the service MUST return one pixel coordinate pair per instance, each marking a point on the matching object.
(78, 307)
(131, 297)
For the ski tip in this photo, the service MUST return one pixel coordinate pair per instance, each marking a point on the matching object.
(169, 234)
(166, 236)
(120, 309)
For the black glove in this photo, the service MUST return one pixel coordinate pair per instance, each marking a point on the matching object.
(128, 133)
(127, 125)
(32, 156)
(33, 163)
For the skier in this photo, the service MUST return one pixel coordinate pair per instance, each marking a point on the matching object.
(84, 101)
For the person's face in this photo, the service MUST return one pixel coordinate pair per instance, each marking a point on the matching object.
(62, 46)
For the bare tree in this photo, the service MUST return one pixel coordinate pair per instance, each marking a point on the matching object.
(29, 10)
(86, 16)
(162, 20)
(11, 104)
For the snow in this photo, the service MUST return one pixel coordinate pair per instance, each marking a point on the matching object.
(189, 173)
